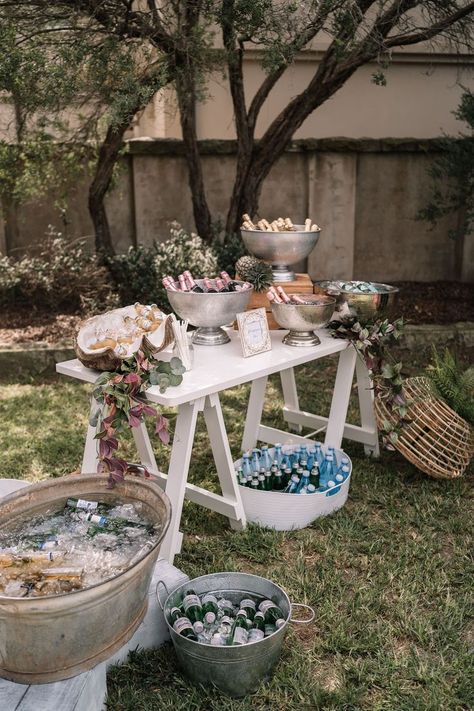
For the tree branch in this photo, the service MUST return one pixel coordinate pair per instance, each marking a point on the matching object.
(430, 32)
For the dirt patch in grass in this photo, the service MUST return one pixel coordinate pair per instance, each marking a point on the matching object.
(435, 302)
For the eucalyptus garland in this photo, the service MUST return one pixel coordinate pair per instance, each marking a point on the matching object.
(122, 404)
(373, 342)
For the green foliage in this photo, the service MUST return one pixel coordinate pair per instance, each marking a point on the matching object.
(134, 275)
(452, 383)
(64, 276)
(137, 274)
(453, 175)
(228, 250)
(374, 342)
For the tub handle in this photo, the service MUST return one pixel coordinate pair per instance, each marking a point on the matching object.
(305, 607)
(157, 593)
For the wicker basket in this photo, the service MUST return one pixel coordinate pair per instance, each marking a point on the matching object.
(437, 440)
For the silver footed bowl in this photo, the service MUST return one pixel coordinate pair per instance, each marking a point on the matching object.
(209, 311)
(365, 307)
(302, 319)
(281, 249)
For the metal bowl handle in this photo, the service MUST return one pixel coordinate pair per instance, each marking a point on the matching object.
(161, 582)
(305, 607)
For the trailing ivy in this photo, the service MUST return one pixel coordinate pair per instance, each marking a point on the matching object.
(373, 342)
(122, 405)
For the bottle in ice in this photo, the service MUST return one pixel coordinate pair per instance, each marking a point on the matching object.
(193, 610)
(182, 625)
(239, 634)
(272, 613)
(82, 504)
(265, 459)
(258, 630)
(209, 608)
(249, 607)
(192, 286)
(256, 460)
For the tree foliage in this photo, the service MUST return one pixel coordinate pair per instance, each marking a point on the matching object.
(191, 38)
(453, 175)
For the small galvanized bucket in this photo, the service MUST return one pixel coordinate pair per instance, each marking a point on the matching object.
(236, 671)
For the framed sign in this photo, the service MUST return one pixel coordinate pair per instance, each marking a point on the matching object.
(254, 333)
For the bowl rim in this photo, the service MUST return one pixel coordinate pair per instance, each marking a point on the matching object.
(282, 232)
(387, 288)
(329, 299)
(212, 293)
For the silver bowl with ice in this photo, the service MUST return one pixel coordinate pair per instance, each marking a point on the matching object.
(281, 249)
(302, 319)
(364, 300)
(209, 311)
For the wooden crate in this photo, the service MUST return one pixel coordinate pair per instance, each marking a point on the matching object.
(301, 285)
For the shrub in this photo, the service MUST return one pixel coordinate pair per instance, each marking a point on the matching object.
(228, 251)
(63, 277)
(138, 273)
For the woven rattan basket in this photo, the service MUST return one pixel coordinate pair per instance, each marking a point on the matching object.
(437, 440)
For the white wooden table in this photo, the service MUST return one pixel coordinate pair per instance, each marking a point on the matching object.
(219, 368)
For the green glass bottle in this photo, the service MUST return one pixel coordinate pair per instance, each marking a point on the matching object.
(239, 634)
(278, 481)
(272, 613)
(209, 608)
(268, 480)
(286, 477)
(226, 607)
(261, 482)
(314, 476)
(249, 607)
(181, 624)
(258, 630)
(193, 610)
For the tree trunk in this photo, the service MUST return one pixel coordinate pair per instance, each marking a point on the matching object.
(108, 155)
(185, 87)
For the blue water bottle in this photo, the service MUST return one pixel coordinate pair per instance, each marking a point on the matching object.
(265, 459)
(256, 461)
(319, 453)
(246, 466)
(278, 455)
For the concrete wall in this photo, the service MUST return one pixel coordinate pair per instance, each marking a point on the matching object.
(423, 89)
(364, 193)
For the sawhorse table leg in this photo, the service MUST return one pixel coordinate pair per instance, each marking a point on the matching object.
(335, 425)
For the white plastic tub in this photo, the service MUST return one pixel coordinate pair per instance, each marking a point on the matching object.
(285, 512)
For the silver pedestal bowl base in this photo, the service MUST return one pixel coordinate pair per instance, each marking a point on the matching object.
(301, 339)
(282, 273)
(213, 336)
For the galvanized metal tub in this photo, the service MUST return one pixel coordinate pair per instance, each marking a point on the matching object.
(238, 670)
(50, 638)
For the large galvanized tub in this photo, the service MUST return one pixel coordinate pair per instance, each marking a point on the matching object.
(238, 670)
(49, 638)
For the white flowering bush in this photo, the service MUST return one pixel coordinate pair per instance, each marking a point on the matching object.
(185, 251)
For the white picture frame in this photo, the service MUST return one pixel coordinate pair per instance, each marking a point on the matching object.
(254, 332)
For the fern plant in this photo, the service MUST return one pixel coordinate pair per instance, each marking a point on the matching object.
(452, 384)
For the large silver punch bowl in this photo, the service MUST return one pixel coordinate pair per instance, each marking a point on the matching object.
(302, 319)
(364, 307)
(281, 249)
(209, 311)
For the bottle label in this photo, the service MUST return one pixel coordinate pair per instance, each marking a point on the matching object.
(240, 636)
(182, 624)
(190, 601)
(248, 603)
(87, 505)
(209, 598)
(265, 606)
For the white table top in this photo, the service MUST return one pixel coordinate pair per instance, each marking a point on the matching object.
(217, 368)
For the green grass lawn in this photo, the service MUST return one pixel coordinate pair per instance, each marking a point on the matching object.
(390, 575)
